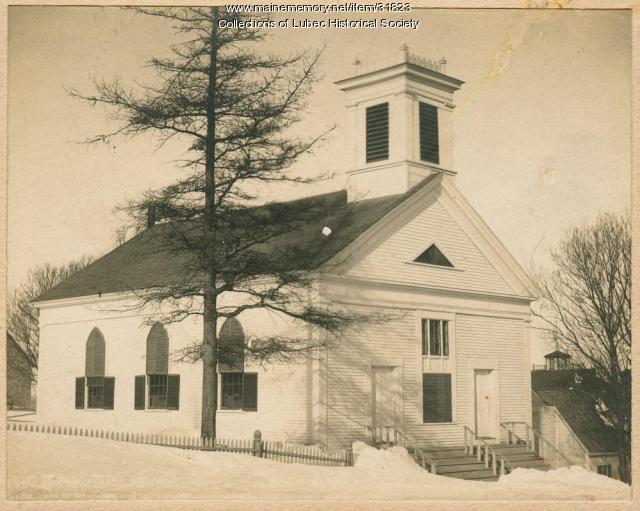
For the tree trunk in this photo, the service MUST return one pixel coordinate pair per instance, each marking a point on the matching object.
(209, 372)
(210, 318)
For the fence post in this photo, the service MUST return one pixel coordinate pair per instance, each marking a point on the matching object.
(349, 457)
(257, 443)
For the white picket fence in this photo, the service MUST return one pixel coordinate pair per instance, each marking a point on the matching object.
(277, 451)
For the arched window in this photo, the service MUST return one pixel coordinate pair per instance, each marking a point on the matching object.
(231, 346)
(239, 389)
(162, 388)
(99, 389)
(158, 350)
(94, 356)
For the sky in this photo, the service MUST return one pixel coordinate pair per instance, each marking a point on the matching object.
(542, 130)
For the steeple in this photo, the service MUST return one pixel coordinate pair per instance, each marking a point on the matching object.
(400, 124)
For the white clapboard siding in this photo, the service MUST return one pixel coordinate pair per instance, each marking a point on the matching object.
(503, 341)
(500, 340)
(388, 260)
(64, 332)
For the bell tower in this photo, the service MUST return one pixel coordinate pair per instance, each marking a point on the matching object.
(400, 125)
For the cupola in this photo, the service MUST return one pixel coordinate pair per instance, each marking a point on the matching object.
(557, 360)
(400, 124)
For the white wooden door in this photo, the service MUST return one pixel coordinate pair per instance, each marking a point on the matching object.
(486, 403)
(384, 397)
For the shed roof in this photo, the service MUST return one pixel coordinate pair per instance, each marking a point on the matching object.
(577, 407)
(580, 414)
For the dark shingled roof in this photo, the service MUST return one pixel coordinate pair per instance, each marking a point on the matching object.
(558, 388)
(144, 261)
(553, 380)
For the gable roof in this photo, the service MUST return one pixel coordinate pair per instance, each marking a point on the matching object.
(145, 260)
(577, 408)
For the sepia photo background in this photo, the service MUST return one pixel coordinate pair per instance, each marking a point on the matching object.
(543, 123)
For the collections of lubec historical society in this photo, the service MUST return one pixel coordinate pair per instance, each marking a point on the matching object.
(372, 23)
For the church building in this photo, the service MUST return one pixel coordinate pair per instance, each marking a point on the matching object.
(404, 243)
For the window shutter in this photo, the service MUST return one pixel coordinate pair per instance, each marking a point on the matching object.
(139, 392)
(173, 391)
(109, 387)
(250, 392)
(80, 393)
(436, 397)
(429, 145)
(377, 132)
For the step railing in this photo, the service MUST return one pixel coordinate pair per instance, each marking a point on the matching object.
(390, 435)
(535, 442)
(476, 446)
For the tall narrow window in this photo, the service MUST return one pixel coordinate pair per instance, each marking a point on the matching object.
(377, 132)
(239, 390)
(163, 389)
(435, 337)
(99, 389)
(429, 145)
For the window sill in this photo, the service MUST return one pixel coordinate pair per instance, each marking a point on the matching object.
(156, 410)
(427, 265)
(236, 411)
(455, 423)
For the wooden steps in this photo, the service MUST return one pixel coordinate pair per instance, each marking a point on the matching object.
(453, 462)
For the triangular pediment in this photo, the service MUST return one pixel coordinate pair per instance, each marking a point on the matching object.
(462, 254)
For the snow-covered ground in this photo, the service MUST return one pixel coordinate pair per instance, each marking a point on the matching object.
(42, 466)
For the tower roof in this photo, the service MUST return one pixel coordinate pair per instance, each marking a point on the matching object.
(557, 354)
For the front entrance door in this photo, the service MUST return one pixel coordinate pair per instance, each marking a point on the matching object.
(384, 397)
(486, 403)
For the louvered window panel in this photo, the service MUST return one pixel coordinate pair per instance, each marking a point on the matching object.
(429, 145)
(94, 355)
(157, 350)
(231, 346)
(80, 393)
(436, 397)
(139, 390)
(378, 132)
(250, 392)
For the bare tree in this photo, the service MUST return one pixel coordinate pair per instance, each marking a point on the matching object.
(587, 308)
(22, 318)
(234, 108)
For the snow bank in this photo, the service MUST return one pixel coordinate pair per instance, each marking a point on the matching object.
(583, 484)
(59, 467)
